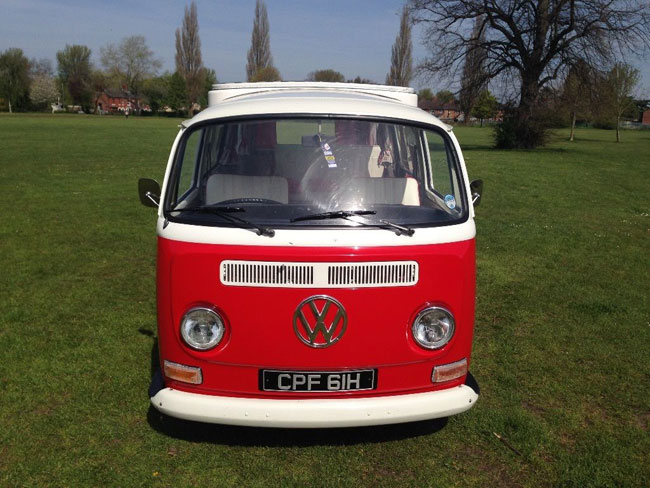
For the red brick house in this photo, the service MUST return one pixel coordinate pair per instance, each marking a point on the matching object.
(447, 112)
(111, 101)
(645, 118)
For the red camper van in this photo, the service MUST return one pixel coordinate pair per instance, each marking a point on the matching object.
(316, 260)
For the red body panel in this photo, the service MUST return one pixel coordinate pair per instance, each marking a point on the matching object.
(259, 320)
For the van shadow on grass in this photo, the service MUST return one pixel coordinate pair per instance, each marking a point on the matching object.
(273, 437)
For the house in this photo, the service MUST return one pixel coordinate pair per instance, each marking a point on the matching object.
(645, 118)
(447, 112)
(119, 101)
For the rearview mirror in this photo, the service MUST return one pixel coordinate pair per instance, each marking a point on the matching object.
(149, 192)
(476, 187)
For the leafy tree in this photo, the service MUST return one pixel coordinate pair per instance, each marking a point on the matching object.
(259, 55)
(485, 106)
(577, 93)
(155, 90)
(176, 93)
(473, 79)
(425, 94)
(74, 68)
(131, 61)
(99, 83)
(270, 73)
(328, 75)
(445, 96)
(43, 91)
(209, 79)
(615, 93)
(188, 54)
(401, 65)
(359, 79)
(14, 78)
(531, 43)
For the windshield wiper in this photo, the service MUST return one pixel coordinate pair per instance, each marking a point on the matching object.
(400, 229)
(225, 212)
(356, 216)
(337, 214)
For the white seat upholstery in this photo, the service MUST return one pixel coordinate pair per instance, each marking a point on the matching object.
(392, 191)
(222, 187)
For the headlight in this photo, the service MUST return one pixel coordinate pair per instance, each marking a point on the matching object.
(433, 327)
(202, 328)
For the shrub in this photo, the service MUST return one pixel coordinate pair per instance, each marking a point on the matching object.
(510, 133)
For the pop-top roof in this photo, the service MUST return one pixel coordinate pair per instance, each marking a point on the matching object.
(307, 98)
(227, 91)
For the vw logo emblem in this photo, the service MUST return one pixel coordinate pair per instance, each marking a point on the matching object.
(320, 321)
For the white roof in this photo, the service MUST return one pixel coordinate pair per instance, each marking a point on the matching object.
(313, 98)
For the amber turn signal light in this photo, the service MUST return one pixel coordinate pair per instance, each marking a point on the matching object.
(448, 372)
(180, 372)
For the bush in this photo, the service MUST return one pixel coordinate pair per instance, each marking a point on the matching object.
(511, 134)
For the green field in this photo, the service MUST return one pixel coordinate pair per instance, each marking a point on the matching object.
(561, 348)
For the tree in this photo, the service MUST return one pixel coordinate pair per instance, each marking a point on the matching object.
(99, 83)
(615, 93)
(577, 93)
(401, 62)
(259, 55)
(43, 91)
(485, 106)
(473, 79)
(14, 78)
(425, 94)
(176, 92)
(328, 75)
(132, 61)
(209, 79)
(74, 70)
(270, 73)
(155, 90)
(445, 96)
(531, 43)
(359, 79)
(188, 54)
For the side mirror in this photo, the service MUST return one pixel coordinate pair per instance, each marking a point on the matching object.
(476, 187)
(149, 192)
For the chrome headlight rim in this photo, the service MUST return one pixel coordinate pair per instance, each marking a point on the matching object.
(185, 329)
(448, 335)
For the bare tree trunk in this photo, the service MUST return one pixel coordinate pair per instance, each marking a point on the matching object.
(9, 102)
(573, 126)
(618, 134)
(524, 114)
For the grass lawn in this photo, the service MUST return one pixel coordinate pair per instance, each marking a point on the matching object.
(561, 348)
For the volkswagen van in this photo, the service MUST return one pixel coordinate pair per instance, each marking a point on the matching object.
(316, 260)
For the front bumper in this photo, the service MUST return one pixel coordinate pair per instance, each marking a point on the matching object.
(317, 413)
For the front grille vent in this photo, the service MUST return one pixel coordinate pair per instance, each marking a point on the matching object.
(319, 275)
(372, 274)
(266, 274)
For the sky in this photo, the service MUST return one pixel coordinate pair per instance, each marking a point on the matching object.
(353, 37)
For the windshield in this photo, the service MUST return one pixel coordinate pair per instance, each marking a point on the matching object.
(279, 173)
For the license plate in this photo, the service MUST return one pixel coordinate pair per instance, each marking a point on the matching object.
(273, 380)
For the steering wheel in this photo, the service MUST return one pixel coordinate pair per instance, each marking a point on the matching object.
(249, 200)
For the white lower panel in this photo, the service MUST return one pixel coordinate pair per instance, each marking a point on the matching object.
(344, 412)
